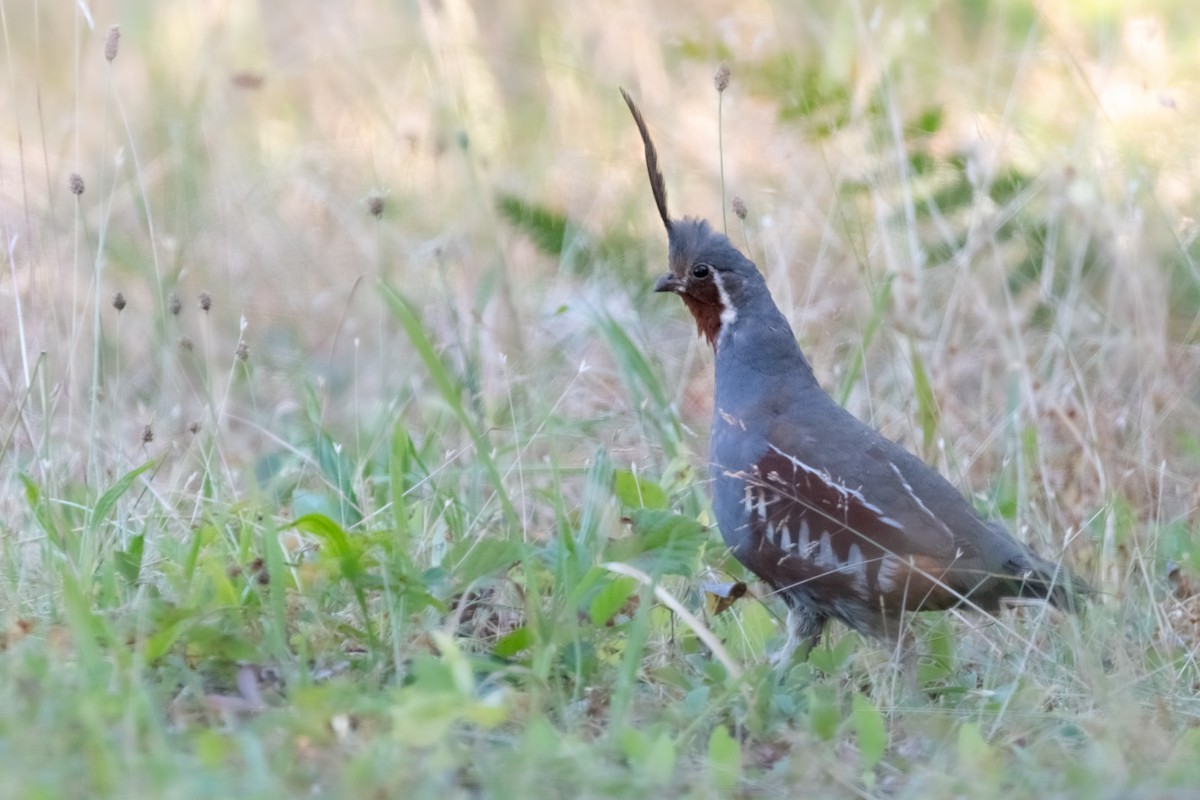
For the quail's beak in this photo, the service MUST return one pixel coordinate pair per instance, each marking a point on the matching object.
(668, 283)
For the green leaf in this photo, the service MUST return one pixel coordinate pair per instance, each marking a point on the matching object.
(658, 762)
(549, 230)
(159, 643)
(129, 560)
(823, 712)
(930, 120)
(724, 760)
(471, 559)
(88, 628)
(870, 730)
(1008, 184)
(831, 657)
(328, 531)
(652, 755)
(662, 543)
(974, 753)
(349, 556)
(104, 505)
(938, 663)
(610, 599)
(200, 537)
(219, 591)
(638, 492)
(513, 642)
(421, 718)
(41, 510)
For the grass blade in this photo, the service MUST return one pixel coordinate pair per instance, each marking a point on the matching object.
(451, 393)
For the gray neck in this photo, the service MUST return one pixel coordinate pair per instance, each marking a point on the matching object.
(757, 345)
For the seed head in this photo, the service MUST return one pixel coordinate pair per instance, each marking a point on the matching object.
(739, 207)
(247, 80)
(76, 183)
(721, 77)
(147, 434)
(119, 302)
(375, 205)
(205, 302)
(111, 41)
(175, 304)
(243, 351)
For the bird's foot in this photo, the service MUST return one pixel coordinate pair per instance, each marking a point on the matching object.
(803, 630)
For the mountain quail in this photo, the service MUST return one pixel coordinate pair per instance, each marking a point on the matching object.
(839, 520)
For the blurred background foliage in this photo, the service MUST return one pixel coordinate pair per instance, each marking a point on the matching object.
(389, 387)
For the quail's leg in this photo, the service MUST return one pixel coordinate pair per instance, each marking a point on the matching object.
(804, 624)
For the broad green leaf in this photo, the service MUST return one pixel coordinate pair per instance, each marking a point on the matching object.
(487, 713)
(422, 718)
(638, 492)
(212, 748)
(456, 662)
(930, 120)
(658, 763)
(824, 716)
(220, 591)
(129, 560)
(610, 599)
(104, 505)
(348, 553)
(652, 753)
(549, 230)
(938, 663)
(159, 643)
(328, 531)
(870, 730)
(513, 642)
(471, 559)
(724, 761)
(41, 512)
(662, 543)
(974, 753)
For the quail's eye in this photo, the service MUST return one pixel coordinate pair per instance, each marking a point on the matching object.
(701, 271)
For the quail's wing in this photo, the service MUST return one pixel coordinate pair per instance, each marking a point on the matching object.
(834, 501)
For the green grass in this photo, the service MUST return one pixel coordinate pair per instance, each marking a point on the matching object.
(416, 507)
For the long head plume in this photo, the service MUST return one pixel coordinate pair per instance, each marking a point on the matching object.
(657, 185)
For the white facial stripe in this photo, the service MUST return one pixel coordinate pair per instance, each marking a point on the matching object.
(728, 312)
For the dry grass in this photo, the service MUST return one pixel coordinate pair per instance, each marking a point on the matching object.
(995, 200)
